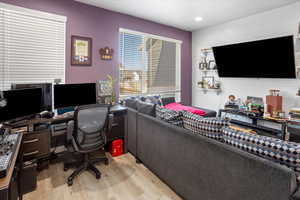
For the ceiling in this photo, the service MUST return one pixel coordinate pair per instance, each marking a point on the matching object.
(182, 13)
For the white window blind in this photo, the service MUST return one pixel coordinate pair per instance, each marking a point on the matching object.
(149, 65)
(32, 46)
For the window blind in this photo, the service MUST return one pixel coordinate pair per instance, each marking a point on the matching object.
(149, 65)
(32, 46)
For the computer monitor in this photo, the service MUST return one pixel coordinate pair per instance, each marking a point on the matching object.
(21, 103)
(70, 95)
(46, 92)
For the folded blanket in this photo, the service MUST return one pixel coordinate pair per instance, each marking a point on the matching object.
(180, 107)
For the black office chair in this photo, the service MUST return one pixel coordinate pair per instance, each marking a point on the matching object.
(88, 135)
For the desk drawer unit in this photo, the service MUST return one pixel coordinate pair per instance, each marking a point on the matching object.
(36, 144)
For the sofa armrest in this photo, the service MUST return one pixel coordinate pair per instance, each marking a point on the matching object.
(209, 113)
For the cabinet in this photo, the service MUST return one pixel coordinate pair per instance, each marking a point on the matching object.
(36, 145)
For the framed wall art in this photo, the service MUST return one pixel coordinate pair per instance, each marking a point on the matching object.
(81, 51)
(106, 53)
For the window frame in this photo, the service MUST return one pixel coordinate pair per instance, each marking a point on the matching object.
(178, 43)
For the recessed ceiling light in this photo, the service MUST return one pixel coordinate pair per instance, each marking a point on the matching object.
(198, 19)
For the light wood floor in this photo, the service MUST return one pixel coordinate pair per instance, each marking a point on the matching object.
(122, 179)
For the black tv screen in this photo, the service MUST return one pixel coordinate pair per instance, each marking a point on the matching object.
(21, 103)
(70, 95)
(270, 58)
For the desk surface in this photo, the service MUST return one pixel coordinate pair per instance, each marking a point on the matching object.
(118, 108)
(4, 182)
(61, 118)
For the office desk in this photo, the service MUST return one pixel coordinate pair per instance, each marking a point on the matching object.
(6, 182)
(38, 142)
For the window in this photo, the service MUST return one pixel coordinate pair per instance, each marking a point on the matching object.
(32, 46)
(149, 64)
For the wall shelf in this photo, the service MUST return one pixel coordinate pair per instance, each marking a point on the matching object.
(208, 70)
(205, 90)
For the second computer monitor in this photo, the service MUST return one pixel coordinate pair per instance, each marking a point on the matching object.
(70, 95)
(21, 103)
(46, 92)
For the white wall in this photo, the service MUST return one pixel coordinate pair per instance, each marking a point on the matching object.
(279, 22)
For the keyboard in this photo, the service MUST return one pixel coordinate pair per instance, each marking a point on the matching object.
(8, 144)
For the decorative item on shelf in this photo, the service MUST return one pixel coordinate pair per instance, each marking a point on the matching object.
(208, 82)
(81, 51)
(274, 102)
(281, 114)
(106, 90)
(232, 103)
(298, 93)
(112, 82)
(207, 64)
(294, 114)
(203, 65)
(106, 53)
(217, 84)
(255, 105)
(212, 65)
(274, 92)
(201, 84)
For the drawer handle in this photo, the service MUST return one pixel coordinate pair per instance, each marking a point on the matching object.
(30, 141)
(31, 153)
(115, 124)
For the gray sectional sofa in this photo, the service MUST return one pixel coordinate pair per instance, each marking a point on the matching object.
(200, 168)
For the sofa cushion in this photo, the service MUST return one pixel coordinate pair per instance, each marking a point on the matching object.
(283, 152)
(131, 102)
(146, 108)
(209, 127)
(180, 107)
(155, 99)
(170, 116)
(167, 100)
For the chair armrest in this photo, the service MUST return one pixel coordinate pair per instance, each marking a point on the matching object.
(110, 121)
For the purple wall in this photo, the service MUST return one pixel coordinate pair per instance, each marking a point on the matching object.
(103, 25)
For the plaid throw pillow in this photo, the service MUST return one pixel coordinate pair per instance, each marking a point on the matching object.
(283, 152)
(209, 127)
(170, 116)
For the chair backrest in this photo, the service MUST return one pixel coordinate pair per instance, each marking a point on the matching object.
(90, 122)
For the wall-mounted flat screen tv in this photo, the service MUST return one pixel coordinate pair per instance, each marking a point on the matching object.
(270, 58)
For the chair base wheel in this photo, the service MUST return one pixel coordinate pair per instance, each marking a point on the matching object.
(106, 162)
(138, 161)
(98, 176)
(70, 182)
